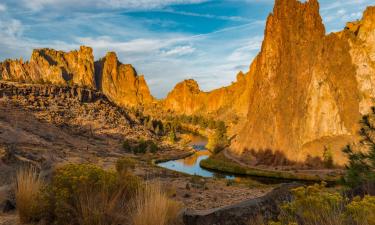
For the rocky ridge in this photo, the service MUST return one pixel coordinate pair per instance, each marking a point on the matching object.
(119, 82)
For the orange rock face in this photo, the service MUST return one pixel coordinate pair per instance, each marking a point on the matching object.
(305, 90)
(187, 98)
(120, 82)
(309, 89)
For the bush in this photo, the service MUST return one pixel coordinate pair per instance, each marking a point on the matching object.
(314, 205)
(126, 146)
(29, 186)
(361, 211)
(144, 146)
(153, 207)
(124, 164)
(73, 181)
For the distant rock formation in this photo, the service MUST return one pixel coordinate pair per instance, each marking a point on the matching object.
(187, 98)
(119, 82)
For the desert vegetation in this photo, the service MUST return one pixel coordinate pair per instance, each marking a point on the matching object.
(317, 205)
(85, 194)
(141, 147)
(361, 166)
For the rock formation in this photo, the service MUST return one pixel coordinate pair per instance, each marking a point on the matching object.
(309, 89)
(77, 68)
(120, 82)
(51, 66)
(187, 98)
(304, 91)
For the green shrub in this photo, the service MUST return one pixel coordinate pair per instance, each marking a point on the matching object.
(152, 147)
(126, 146)
(143, 146)
(125, 164)
(328, 158)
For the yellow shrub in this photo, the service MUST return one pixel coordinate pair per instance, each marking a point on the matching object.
(313, 205)
(361, 211)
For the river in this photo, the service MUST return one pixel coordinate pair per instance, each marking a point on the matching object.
(190, 165)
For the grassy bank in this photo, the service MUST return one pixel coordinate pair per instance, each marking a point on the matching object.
(219, 162)
(175, 157)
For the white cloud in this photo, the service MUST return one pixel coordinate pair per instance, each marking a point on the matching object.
(179, 51)
(243, 51)
(102, 4)
(3, 7)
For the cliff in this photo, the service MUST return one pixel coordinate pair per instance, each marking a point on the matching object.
(305, 90)
(310, 88)
(120, 82)
(77, 68)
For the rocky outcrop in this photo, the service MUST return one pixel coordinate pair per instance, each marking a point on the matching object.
(226, 102)
(266, 207)
(33, 92)
(309, 89)
(120, 82)
(55, 67)
(77, 68)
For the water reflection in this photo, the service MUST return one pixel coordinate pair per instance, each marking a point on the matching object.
(190, 165)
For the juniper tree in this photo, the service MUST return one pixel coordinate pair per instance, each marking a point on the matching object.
(361, 166)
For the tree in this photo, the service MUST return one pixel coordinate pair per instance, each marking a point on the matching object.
(219, 140)
(361, 167)
(172, 136)
(328, 157)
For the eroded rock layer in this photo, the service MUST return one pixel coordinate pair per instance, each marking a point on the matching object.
(118, 81)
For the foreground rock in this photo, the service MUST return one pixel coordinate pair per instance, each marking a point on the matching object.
(266, 207)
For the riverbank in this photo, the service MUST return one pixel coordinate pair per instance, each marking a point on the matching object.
(221, 163)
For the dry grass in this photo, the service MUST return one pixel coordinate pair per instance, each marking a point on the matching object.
(153, 207)
(101, 208)
(28, 190)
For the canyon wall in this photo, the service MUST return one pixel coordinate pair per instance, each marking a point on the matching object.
(309, 89)
(305, 91)
(119, 82)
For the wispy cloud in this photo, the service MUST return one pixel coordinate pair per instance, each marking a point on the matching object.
(208, 16)
(179, 51)
(114, 4)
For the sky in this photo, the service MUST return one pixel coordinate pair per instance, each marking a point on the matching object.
(166, 40)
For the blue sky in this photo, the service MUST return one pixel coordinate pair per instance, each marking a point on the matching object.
(166, 40)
